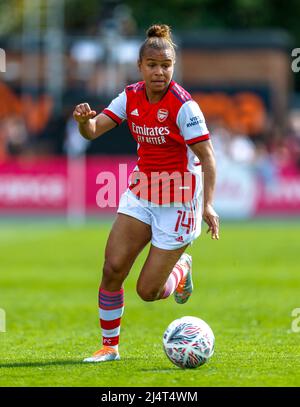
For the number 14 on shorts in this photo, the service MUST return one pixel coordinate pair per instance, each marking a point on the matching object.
(185, 220)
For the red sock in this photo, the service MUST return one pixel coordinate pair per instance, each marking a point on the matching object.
(111, 308)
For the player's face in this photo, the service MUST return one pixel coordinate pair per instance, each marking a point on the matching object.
(157, 67)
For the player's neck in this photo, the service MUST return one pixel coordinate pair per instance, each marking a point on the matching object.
(155, 97)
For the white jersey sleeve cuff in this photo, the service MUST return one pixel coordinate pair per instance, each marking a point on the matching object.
(117, 108)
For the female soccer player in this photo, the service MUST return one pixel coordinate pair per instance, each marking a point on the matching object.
(162, 203)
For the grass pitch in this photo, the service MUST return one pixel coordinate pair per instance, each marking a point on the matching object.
(246, 286)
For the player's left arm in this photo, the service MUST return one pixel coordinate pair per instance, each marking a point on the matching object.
(205, 152)
(191, 122)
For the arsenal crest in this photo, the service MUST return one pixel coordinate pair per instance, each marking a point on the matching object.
(162, 114)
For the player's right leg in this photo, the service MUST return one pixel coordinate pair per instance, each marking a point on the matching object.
(126, 240)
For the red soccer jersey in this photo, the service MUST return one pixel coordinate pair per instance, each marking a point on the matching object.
(167, 170)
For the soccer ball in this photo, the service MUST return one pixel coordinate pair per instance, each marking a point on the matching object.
(188, 342)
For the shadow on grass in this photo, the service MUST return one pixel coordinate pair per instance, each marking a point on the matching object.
(71, 362)
(74, 362)
(161, 370)
(41, 364)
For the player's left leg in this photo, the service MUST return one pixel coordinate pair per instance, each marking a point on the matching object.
(167, 268)
(164, 272)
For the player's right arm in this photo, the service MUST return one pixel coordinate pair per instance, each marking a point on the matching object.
(91, 125)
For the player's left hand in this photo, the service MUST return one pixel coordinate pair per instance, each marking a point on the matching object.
(212, 219)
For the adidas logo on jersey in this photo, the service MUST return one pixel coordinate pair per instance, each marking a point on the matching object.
(179, 239)
(135, 112)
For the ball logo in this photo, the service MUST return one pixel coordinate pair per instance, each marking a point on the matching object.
(162, 114)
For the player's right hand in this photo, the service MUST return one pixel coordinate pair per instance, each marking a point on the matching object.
(82, 113)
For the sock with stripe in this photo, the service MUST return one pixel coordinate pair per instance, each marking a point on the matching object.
(174, 278)
(111, 308)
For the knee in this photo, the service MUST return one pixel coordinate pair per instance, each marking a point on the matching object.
(148, 293)
(112, 270)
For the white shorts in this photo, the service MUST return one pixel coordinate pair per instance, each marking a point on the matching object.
(173, 225)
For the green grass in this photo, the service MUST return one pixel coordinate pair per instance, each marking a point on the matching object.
(246, 286)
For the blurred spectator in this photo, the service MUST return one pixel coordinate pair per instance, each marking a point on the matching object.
(281, 152)
(231, 146)
(13, 134)
(241, 148)
(264, 164)
(220, 137)
(86, 53)
(293, 137)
